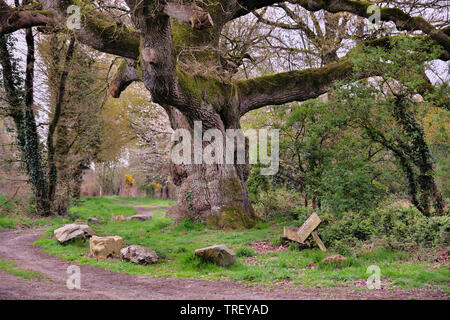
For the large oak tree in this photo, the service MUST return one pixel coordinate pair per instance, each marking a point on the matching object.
(160, 32)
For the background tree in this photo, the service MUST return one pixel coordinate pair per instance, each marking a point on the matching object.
(75, 121)
(19, 106)
(390, 111)
(54, 168)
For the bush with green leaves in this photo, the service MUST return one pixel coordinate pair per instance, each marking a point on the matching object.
(396, 228)
(190, 225)
(245, 252)
(350, 186)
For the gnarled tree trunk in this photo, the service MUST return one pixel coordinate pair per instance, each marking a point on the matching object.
(214, 193)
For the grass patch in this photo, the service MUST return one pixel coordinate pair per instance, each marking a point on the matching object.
(175, 243)
(7, 223)
(13, 215)
(245, 252)
(11, 268)
(142, 200)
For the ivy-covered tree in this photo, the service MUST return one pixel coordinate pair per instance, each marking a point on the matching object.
(390, 110)
(18, 104)
(75, 125)
(53, 161)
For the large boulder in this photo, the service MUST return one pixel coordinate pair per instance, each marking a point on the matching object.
(138, 254)
(73, 231)
(103, 247)
(218, 254)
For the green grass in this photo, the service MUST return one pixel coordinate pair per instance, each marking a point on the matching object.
(14, 221)
(10, 267)
(177, 242)
(12, 216)
(7, 223)
(142, 200)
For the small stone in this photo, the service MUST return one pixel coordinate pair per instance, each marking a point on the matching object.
(73, 231)
(93, 220)
(104, 247)
(140, 217)
(138, 254)
(334, 258)
(218, 254)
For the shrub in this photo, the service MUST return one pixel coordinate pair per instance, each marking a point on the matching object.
(279, 202)
(245, 252)
(401, 228)
(351, 186)
(189, 225)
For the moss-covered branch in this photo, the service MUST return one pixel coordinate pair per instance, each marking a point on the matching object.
(97, 30)
(298, 85)
(12, 19)
(301, 85)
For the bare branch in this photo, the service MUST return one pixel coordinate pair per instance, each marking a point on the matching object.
(402, 20)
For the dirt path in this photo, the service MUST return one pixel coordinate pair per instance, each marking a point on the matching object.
(141, 210)
(96, 283)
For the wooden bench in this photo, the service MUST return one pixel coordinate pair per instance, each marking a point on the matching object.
(301, 234)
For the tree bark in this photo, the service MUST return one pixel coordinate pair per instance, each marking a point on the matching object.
(216, 194)
(51, 149)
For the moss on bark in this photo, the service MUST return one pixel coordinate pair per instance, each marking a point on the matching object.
(204, 88)
(309, 78)
(232, 218)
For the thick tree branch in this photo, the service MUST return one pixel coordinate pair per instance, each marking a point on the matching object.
(290, 86)
(97, 30)
(125, 75)
(402, 20)
(12, 19)
(301, 85)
